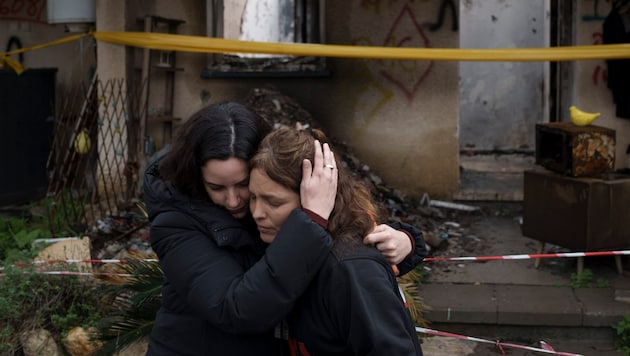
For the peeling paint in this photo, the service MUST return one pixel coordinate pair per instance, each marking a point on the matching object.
(267, 21)
(501, 102)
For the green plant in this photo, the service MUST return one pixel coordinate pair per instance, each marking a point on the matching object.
(582, 280)
(585, 280)
(602, 283)
(623, 335)
(30, 299)
(16, 239)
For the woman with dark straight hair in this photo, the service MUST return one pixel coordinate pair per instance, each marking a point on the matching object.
(224, 289)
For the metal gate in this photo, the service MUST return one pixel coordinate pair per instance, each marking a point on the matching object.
(93, 167)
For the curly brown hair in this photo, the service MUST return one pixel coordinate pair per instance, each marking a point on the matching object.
(280, 156)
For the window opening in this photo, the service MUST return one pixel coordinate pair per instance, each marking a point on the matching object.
(289, 21)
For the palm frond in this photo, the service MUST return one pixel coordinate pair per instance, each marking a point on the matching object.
(417, 308)
(121, 333)
(134, 292)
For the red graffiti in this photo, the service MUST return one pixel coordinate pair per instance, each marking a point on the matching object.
(23, 10)
(376, 4)
(598, 72)
(406, 75)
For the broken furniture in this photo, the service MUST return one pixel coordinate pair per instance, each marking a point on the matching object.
(579, 213)
(576, 151)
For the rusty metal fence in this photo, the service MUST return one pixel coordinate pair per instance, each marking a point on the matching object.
(93, 166)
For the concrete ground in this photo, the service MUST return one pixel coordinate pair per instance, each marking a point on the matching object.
(512, 301)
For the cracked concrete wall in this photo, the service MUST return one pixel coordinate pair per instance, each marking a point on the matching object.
(399, 117)
(501, 102)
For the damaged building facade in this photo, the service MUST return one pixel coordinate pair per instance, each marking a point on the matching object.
(418, 124)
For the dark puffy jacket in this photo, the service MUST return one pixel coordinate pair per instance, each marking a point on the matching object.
(219, 296)
(353, 307)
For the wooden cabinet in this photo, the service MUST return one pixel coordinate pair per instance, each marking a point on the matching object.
(581, 214)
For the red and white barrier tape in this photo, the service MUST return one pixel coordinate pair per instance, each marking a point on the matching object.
(92, 261)
(545, 347)
(77, 261)
(427, 259)
(530, 256)
(74, 273)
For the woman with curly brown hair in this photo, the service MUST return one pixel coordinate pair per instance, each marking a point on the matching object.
(354, 305)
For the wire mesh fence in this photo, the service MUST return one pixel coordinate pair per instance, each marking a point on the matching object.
(93, 166)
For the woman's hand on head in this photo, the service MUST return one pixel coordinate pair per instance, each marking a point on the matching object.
(319, 181)
(394, 244)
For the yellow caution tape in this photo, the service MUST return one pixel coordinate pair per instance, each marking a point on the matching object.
(201, 44)
(18, 67)
(173, 42)
(13, 64)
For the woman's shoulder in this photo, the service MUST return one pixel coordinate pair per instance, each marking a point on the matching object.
(348, 248)
(352, 254)
(354, 268)
(207, 219)
(185, 210)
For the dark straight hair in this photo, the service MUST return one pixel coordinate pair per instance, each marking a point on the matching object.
(219, 131)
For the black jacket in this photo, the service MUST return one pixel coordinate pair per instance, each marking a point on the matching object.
(353, 307)
(219, 296)
(224, 289)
